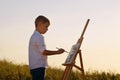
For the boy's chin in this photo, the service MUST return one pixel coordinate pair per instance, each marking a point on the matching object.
(43, 32)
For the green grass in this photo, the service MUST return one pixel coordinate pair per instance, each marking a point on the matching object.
(10, 71)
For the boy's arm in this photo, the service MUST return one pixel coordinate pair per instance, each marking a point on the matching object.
(49, 52)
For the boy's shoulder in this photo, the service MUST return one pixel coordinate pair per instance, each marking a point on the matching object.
(36, 35)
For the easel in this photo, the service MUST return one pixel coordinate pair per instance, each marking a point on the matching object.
(71, 62)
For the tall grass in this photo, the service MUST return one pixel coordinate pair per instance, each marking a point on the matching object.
(10, 71)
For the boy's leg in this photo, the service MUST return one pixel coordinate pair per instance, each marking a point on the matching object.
(38, 74)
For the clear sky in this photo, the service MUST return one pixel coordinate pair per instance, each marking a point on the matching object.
(100, 47)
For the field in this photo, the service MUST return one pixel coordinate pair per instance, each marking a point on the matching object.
(10, 71)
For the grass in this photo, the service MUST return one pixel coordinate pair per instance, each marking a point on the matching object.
(10, 71)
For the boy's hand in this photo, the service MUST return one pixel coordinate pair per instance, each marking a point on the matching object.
(60, 51)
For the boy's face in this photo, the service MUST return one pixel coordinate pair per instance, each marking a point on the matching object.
(42, 27)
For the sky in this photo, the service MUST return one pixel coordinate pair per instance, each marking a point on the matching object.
(100, 47)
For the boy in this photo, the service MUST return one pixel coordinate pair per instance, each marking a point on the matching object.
(37, 49)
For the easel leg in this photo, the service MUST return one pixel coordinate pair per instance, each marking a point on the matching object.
(68, 68)
(81, 62)
(67, 72)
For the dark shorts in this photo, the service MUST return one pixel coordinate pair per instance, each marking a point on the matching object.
(38, 73)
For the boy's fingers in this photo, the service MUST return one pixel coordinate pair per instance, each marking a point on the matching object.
(63, 50)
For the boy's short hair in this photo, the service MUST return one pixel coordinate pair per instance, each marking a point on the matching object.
(42, 19)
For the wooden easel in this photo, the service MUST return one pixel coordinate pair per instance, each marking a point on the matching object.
(70, 64)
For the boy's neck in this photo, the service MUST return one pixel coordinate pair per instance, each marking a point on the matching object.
(37, 31)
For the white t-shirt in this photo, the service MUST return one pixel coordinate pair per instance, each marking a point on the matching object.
(36, 48)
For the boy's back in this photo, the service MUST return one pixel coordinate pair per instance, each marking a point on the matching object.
(36, 47)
